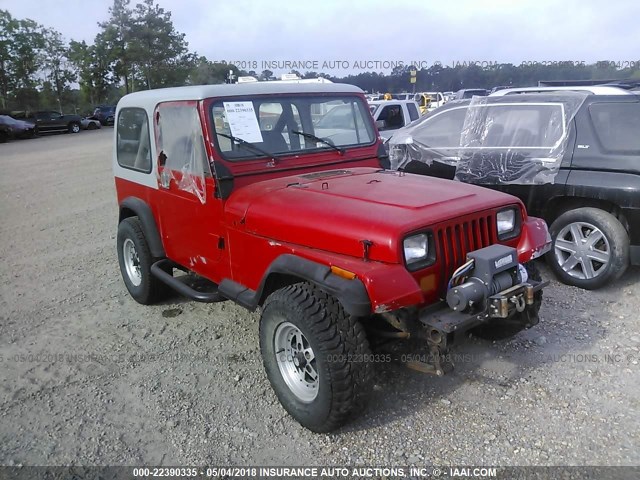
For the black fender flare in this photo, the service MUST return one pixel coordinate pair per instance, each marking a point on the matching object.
(352, 294)
(140, 209)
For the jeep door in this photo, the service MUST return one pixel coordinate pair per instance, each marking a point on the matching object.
(189, 214)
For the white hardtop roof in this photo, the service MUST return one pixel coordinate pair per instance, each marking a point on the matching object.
(593, 89)
(388, 102)
(200, 92)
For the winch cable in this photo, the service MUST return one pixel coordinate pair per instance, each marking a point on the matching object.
(461, 270)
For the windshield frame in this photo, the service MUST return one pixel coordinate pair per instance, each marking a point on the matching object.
(284, 97)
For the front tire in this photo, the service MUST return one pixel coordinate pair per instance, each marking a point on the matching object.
(134, 257)
(74, 127)
(590, 248)
(316, 356)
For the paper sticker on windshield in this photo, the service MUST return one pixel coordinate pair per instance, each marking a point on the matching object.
(243, 121)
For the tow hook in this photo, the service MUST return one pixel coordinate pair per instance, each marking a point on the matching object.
(519, 302)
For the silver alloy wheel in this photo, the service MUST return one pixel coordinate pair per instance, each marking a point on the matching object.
(296, 361)
(131, 262)
(582, 250)
(75, 128)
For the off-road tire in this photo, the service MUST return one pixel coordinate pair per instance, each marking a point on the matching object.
(616, 236)
(150, 289)
(340, 347)
(501, 329)
(74, 127)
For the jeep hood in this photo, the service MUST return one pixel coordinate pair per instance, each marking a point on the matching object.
(337, 210)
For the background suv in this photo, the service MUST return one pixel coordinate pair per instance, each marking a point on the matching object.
(105, 114)
(593, 202)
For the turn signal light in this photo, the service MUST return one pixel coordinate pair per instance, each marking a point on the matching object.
(341, 272)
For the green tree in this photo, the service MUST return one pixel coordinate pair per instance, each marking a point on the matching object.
(266, 75)
(205, 72)
(93, 70)
(158, 51)
(115, 39)
(55, 63)
(21, 42)
(7, 27)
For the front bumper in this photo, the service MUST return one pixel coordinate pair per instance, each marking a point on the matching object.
(441, 325)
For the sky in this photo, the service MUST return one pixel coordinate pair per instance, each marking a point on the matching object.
(351, 36)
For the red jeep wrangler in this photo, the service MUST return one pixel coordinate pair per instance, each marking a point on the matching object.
(257, 198)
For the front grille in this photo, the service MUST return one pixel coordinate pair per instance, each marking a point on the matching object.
(454, 240)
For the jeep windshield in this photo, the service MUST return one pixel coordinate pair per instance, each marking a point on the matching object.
(283, 125)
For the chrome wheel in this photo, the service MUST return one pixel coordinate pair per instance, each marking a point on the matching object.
(582, 250)
(132, 262)
(296, 361)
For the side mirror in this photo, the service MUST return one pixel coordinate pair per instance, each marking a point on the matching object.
(381, 124)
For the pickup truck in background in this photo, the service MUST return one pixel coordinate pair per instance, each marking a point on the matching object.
(391, 115)
(51, 121)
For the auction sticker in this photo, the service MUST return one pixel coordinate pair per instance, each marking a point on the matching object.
(243, 121)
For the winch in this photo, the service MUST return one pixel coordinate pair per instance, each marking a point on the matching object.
(487, 272)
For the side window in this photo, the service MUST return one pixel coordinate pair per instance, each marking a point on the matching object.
(617, 125)
(182, 158)
(180, 142)
(442, 130)
(133, 148)
(392, 115)
(413, 112)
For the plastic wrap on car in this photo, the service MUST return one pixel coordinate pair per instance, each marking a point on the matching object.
(490, 155)
(181, 142)
(491, 152)
(405, 146)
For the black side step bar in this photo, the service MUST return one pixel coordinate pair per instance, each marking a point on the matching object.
(158, 271)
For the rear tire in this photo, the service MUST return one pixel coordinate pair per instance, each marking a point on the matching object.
(590, 248)
(134, 257)
(316, 356)
(503, 328)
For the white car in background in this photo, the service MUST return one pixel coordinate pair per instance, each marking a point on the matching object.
(90, 124)
(391, 115)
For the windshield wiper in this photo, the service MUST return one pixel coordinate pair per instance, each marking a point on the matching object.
(319, 139)
(250, 146)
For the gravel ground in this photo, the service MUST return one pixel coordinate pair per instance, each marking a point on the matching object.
(88, 376)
